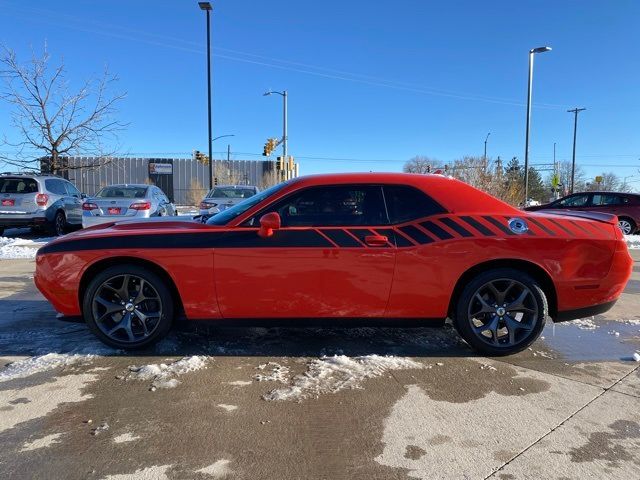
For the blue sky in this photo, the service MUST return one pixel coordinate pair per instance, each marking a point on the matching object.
(372, 83)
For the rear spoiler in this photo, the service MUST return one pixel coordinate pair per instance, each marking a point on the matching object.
(597, 216)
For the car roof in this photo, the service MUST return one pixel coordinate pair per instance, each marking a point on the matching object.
(455, 195)
(604, 192)
(234, 186)
(129, 185)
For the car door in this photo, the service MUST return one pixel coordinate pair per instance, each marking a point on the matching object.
(333, 256)
(74, 204)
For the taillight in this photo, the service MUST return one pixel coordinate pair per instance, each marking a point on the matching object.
(89, 206)
(206, 205)
(140, 206)
(42, 199)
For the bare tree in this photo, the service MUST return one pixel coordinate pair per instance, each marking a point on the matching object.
(53, 122)
(421, 164)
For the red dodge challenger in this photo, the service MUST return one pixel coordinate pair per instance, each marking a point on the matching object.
(365, 246)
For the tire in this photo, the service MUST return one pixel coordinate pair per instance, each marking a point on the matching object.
(627, 225)
(480, 322)
(102, 304)
(59, 225)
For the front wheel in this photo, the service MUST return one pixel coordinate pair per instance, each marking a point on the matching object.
(501, 311)
(128, 307)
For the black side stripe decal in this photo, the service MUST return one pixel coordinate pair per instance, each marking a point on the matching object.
(580, 227)
(478, 226)
(455, 226)
(401, 240)
(436, 230)
(544, 228)
(341, 238)
(559, 225)
(499, 225)
(241, 239)
(416, 234)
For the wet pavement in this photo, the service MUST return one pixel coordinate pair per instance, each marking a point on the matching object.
(285, 403)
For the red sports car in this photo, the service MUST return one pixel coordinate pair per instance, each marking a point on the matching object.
(366, 246)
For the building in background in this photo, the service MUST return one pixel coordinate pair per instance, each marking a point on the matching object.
(184, 180)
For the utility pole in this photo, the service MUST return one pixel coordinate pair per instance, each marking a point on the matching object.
(285, 138)
(206, 6)
(228, 153)
(575, 112)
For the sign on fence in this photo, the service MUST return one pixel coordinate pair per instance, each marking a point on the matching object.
(160, 168)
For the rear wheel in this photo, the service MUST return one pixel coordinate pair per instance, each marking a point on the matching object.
(59, 224)
(128, 306)
(501, 312)
(627, 225)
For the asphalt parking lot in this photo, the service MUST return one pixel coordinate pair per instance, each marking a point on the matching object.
(311, 403)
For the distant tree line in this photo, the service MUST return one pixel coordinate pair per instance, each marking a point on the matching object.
(506, 180)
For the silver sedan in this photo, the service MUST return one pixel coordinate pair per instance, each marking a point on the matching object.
(116, 203)
(225, 196)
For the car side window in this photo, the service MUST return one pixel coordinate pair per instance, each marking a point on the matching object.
(55, 186)
(407, 203)
(605, 199)
(73, 191)
(574, 201)
(340, 205)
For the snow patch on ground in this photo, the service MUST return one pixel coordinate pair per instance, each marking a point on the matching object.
(239, 383)
(14, 248)
(157, 472)
(125, 437)
(42, 442)
(219, 469)
(162, 375)
(278, 373)
(582, 323)
(228, 408)
(633, 241)
(27, 403)
(332, 374)
(42, 363)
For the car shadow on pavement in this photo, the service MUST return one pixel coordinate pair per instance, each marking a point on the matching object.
(30, 327)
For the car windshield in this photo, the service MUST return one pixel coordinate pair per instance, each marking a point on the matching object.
(122, 192)
(226, 216)
(231, 192)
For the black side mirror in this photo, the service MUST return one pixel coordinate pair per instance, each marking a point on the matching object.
(83, 195)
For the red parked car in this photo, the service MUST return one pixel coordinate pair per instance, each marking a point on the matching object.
(367, 246)
(625, 205)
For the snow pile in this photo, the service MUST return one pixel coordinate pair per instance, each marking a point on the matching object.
(633, 241)
(582, 323)
(163, 375)
(42, 363)
(332, 374)
(278, 373)
(14, 248)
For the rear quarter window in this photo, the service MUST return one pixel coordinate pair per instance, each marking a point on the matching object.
(18, 185)
(407, 203)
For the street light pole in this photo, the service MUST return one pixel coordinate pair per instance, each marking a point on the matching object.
(532, 52)
(575, 112)
(206, 6)
(485, 150)
(285, 138)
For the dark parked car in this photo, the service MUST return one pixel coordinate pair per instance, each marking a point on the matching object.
(625, 205)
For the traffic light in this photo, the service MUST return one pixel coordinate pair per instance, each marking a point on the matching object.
(215, 180)
(291, 163)
(269, 147)
(428, 168)
(279, 163)
(200, 157)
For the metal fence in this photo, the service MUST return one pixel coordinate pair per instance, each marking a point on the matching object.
(189, 178)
